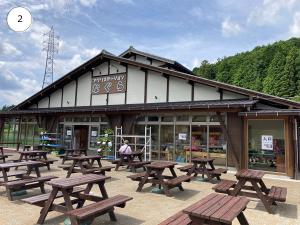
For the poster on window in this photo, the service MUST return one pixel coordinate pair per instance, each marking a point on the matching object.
(94, 133)
(69, 132)
(267, 142)
(182, 136)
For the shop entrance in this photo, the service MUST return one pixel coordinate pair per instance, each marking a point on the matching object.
(80, 138)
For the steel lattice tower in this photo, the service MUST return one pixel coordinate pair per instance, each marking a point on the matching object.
(51, 47)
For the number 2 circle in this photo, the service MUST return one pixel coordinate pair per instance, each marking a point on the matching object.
(19, 19)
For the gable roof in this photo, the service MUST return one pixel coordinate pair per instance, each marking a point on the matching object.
(104, 56)
(131, 50)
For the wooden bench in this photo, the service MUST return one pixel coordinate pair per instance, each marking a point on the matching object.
(277, 194)
(99, 208)
(186, 168)
(224, 186)
(137, 164)
(178, 180)
(217, 172)
(138, 176)
(14, 174)
(40, 200)
(24, 184)
(179, 218)
(48, 162)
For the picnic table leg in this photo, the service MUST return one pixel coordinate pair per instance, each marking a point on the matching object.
(237, 188)
(68, 204)
(262, 197)
(143, 180)
(5, 178)
(111, 213)
(47, 206)
(71, 168)
(161, 181)
(242, 219)
(174, 175)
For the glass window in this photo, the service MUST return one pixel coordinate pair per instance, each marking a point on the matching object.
(166, 142)
(199, 141)
(153, 118)
(217, 145)
(94, 136)
(141, 118)
(266, 145)
(95, 119)
(182, 141)
(82, 119)
(167, 119)
(201, 118)
(183, 118)
(104, 119)
(68, 119)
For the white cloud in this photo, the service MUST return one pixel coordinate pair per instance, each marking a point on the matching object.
(230, 28)
(38, 7)
(90, 52)
(8, 49)
(294, 29)
(124, 1)
(270, 11)
(87, 2)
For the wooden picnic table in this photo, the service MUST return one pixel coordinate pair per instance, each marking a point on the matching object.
(218, 209)
(84, 165)
(129, 161)
(64, 187)
(256, 189)
(24, 181)
(72, 152)
(154, 175)
(2, 155)
(200, 165)
(39, 155)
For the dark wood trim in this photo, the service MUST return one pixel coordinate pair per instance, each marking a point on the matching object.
(229, 141)
(192, 90)
(108, 72)
(49, 101)
(221, 93)
(91, 96)
(126, 83)
(151, 61)
(76, 91)
(146, 85)
(62, 96)
(168, 88)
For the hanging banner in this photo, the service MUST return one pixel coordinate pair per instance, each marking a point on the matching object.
(267, 142)
(115, 83)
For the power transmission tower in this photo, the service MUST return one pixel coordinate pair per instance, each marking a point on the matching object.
(51, 45)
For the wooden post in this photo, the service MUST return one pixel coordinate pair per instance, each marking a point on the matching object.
(229, 141)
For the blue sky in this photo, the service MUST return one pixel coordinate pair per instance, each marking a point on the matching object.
(188, 31)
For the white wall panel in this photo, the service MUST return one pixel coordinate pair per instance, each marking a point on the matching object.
(84, 90)
(101, 69)
(99, 99)
(69, 94)
(115, 67)
(157, 63)
(204, 93)
(116, 99)
(179, 90)
(142, 59)
(156, 88)
(44, 103)
(232, 95)
(135, 85)
(55, 99)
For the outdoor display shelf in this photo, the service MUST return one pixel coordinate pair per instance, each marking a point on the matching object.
(51, 142)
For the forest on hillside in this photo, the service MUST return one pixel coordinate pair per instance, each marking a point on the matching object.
(272, 69)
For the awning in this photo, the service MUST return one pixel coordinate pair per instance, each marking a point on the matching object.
(221, 105)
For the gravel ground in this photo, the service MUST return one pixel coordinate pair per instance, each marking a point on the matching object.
(151, 208)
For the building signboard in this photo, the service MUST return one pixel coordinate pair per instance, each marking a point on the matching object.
(115, 83)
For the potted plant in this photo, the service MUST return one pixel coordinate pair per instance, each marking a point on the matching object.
(104, 143)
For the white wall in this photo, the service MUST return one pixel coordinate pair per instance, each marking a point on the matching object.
(142, 59)
(203, 93)
(116, 99)
(55, 99)
(99, 99)
(69, 94)
(156, 87)
(84, 90)
(179, 90)
(157, 63)
(102, 69)
(44, 103)
(115, 67)
(135, 85)
(232, 95)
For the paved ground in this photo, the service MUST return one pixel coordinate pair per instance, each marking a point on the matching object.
(151, 208)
